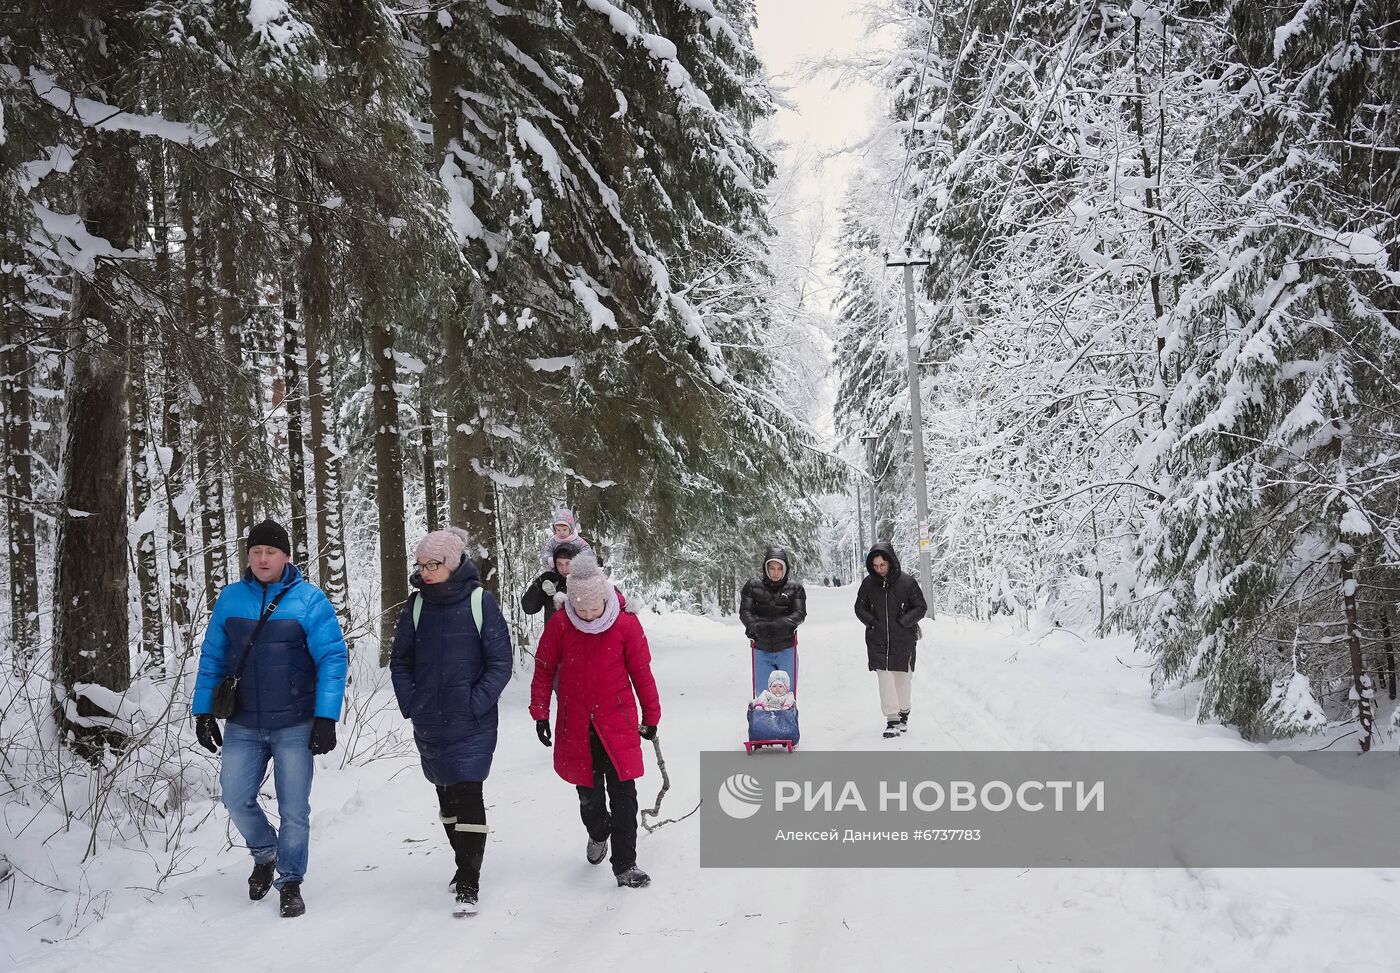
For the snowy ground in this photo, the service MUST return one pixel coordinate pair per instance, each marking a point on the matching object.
(376, 886)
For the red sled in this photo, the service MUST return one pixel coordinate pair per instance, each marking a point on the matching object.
(773, 728)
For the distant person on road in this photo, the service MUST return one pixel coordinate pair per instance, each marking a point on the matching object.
(890, 603)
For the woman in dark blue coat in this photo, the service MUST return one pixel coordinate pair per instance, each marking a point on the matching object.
(451, 662)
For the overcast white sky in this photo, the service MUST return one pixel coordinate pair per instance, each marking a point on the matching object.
(825, 114)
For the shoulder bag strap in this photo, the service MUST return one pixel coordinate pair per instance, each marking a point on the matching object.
(257, 629)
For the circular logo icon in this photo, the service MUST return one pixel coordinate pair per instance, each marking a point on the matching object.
(740, 796)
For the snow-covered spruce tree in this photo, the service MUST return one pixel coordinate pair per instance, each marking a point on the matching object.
(1275, 550)
(90, 604)
(633, 179)
(1048, 151)
(873, 397)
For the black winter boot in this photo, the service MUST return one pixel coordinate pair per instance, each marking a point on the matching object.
(261, 880)
(292, 904)
(904, 721)
(466, 895)
(633, 878)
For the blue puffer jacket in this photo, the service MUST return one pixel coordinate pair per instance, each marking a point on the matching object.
(447, 676)
(297, 670)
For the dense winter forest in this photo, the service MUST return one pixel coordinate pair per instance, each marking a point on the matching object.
(370, 267)
(1160, 345)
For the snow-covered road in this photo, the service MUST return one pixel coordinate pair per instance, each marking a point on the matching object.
(376, 887)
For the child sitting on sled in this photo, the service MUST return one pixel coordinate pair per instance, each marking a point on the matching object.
(777, 695)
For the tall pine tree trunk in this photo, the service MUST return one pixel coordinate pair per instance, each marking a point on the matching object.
(173, 432)
(291, 371)
(426, 423)
(91, 573)
(242, 389)
(388, 462)
(1389, 654)
(316, 303)
(143, 494)
(1153, 198)
(291, 404)
(17, 416)
(208, 469)
(1362, 694)
(470, 495)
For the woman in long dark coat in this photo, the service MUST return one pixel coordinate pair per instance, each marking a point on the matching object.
(451, 662)
(890, 604)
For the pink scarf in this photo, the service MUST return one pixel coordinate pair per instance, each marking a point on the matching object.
(600, 624)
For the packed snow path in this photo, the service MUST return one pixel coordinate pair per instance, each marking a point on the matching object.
(376, 888)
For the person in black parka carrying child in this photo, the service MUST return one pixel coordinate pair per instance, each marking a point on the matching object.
(451, 662)
(890, 604)
(547, 592)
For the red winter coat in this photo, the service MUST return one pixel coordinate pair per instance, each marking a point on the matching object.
(594, 673)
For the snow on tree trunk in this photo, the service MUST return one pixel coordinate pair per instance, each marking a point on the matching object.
(91, 572)
(241, 410)
(1362, 694)
(470, 493)
(16, 373)
(209, 469)
(326, 453)
(1389, 654)
(172, 425)
(292, 392)
(140, 445)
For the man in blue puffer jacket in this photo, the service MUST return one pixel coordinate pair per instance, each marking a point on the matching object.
(451, 662)
(291, 685)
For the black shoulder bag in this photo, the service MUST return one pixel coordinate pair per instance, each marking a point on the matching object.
(226, 692)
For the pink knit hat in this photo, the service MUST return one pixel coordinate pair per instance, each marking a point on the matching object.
(589, 587)
(447, 545)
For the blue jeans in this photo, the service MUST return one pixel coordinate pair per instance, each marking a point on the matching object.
(766, 663)
(246, 753)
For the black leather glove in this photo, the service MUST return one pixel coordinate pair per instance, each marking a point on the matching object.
(647, 732)
(206, 729)
(323, 735)
(542, 731)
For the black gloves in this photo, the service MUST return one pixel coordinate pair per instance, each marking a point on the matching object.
(206, 729)
(323, 735)
(647, 732)
(542, 731)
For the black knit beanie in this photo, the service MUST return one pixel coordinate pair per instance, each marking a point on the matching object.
(271, 533)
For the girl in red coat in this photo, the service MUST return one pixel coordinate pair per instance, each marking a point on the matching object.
(600, 654)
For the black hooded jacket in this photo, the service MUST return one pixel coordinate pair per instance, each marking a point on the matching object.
(540, 595)
(891, 608)
(772, 610)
